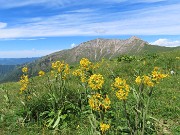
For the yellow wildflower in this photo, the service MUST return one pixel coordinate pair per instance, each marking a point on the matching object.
(66, 70)
(104, 127)
(121, 94)
(94, 103)
(83, 78)
(98, 103)
(77, 72)
(147, 80)
(106, 102)
(138, 80)
(24, 69)
(24, 82)
(85, 63)
(41, 73)
(121, 87)
(157, 75)
(96, 81)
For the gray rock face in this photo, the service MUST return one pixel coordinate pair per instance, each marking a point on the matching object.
(101, 48)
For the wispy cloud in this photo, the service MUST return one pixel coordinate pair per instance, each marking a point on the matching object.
(59, 3)
(152, 20)
(21, 3)
(2, 25)
(166, 42)
(25, 53)
(24, 39)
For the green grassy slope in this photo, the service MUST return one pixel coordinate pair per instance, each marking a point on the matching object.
(164, 105)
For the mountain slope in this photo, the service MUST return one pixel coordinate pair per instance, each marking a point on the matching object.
(99, 48)
(94, 50)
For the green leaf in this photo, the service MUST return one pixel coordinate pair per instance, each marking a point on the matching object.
(64, 125)
(63, 116)
(50, 121)
(6, 98)
(57, 122)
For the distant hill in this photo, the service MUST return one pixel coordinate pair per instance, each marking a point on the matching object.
(8, 65)
(94, 50)
(16, 61)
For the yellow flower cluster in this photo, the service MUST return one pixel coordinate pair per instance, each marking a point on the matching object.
(121, 87)
(152, 79)
(96, 81)
(85, 64)
(60, 67)
(104, 127)
(24, 82)
(157, 75)
(145, 80)
(81, 74)
(24, 69)
(97, 102)
(41, 73)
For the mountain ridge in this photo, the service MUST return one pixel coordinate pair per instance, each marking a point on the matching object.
(97, 48)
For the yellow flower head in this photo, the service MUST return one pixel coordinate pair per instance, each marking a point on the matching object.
(41, 73)
(138, 80)
(24, 69)
(24, 83)
(157, 75)
(77, 72)
(94, 103)
(96, 81)
(66, 70)
(104, 127)
(98, 103)
(147, 80)
(121, 87)
(85, 63)
(106, 102)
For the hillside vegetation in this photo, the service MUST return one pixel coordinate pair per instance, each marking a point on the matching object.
(4, 69)
(9, 66)
(129, 94)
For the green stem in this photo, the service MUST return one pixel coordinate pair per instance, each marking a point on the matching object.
(145, 112)
(127, 117)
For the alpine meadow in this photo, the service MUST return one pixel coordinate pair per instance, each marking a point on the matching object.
(128, 93)
(89, 67)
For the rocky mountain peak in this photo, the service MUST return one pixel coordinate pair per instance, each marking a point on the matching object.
(134, 38)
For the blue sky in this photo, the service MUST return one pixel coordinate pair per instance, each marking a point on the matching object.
(38, 27)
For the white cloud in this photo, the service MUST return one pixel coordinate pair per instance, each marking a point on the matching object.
(25, 53)
(20, 3)
(25, 39)
(2, 25)
(166, 42)
(73, 45)
(149, 21)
